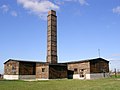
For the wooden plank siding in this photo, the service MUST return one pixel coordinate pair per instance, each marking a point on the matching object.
(99, 66)
(27, 68)
(57, 71)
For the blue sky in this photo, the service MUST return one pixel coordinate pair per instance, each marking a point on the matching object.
(84, 26)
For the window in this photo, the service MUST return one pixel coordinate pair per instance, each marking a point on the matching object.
(81, 72)
(13, 70)
(81, 75)
(43, 69)
(75, 71)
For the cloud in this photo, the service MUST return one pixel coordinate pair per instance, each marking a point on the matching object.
(14, 13)
(59, 2)
(116, 55)
(7, 10)
(4, 8)
(41, 7)
(70, 0)
(38, 7)
(113, 56)
(83, 2)
(116, 10)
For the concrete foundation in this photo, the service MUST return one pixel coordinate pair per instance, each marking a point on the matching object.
(27, 76)
(19, 77)
(97, 75)
(11, 77)
(77, 76)
(92, 76)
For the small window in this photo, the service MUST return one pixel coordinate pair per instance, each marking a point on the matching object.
(43, 69)
(13, 68)
(82, 69)
(75, 71)
(82, 72)
(81, 75)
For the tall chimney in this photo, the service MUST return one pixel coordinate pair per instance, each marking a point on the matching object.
(52, 37)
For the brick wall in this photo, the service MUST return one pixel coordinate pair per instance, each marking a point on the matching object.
(11, 68)
(42, 70)
(76, 67)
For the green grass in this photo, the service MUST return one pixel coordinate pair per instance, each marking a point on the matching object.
(117, 76)
(100, 84)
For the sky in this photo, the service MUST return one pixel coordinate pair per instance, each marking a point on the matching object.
(83, 28)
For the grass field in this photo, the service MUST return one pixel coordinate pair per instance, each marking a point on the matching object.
(100, 84)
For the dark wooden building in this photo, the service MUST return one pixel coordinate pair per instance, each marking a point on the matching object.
(88, 69)
(17, 69)
(84, 69)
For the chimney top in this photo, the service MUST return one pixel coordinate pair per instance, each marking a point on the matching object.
(52, 12)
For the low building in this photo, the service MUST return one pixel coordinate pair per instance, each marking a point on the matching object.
(85, 69)
(88, 69)
(18, 69)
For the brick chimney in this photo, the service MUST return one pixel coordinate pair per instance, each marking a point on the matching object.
(52, 37)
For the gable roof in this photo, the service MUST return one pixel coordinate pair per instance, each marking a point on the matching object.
(88, 60)
(71, 62)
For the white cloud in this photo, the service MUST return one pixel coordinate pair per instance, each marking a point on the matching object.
(14, 13)
(38, 7)
(5, 8)
(59, 2)
(116, 55)
(116, 10)
(83, 2)
(41, 7)
(70, 0)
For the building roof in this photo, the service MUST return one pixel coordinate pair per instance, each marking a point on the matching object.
(88, 60)
(24, 61)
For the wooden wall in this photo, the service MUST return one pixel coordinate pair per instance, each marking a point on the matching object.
(27, 68)
(99, 66)
(57, 71)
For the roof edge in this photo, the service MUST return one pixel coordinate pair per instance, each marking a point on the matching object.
(22, 61)
(87, 60)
